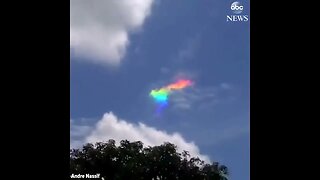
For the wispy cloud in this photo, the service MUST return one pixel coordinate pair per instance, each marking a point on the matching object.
(164, 70)
(232, 132)
(224, 134)
(226, 86)
(188, 51)
(198, 96)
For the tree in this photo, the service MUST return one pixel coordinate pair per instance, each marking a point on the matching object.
(132, 161)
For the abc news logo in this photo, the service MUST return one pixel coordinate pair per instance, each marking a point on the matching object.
(237, 9)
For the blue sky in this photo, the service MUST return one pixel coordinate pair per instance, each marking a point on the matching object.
(178, 39)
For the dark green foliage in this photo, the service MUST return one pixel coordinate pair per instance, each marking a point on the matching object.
(132, 161)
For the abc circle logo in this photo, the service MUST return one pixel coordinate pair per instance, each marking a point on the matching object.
(236, 7)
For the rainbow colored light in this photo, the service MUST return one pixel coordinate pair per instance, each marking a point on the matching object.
(161, 95)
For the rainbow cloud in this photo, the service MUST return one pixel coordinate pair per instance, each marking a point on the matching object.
(161, 95)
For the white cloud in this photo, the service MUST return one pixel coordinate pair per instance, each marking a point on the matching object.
(99, 29)
(111, 127)
(78, 133)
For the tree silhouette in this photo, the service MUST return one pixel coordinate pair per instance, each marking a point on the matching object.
(132, 161)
